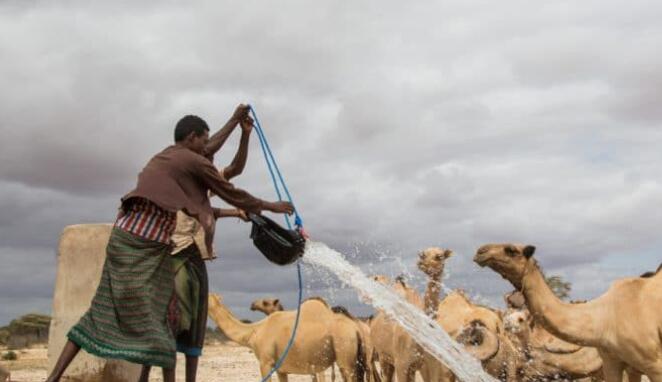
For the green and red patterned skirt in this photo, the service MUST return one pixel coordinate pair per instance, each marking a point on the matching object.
(134, 312)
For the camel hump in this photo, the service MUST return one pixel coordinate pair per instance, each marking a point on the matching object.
(651, 274)
(342, 310)
(317, 298)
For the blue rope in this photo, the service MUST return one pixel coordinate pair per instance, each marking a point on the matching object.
(271, 165)
(267, 154)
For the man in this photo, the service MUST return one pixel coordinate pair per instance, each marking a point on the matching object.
(189, 256)
(133, 315)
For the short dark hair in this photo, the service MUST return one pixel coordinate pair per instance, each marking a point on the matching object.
(190, 124)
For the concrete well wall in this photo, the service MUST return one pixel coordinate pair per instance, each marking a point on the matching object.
(80, 258)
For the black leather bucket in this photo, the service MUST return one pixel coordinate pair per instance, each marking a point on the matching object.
(279, 245)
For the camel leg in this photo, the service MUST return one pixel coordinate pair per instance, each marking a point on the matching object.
(282, 377)
(319, 377)
(655, 375)
(426, 373)
(387, 371)
(633, 375)
(405, 373)
(347, 374)
(612, 368)
(265, 368)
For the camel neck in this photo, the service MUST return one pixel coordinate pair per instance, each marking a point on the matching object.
(432, 296)
(571, 322)
(236, 330)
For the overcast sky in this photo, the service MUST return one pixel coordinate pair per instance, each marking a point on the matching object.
(397, 125)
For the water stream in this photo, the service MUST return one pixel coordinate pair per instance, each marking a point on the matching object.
(425, 331)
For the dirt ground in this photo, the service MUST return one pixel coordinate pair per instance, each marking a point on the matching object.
(223, 362)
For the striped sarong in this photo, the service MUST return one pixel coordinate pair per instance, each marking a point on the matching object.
(191, 286)
(132, 312)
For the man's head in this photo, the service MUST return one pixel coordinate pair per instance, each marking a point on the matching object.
(192, 132)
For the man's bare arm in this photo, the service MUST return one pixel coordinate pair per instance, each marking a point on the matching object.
(218, 139)
(230, 213)
(239, 162)
(209, 175)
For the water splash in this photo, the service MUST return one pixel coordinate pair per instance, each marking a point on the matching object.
(425, 331)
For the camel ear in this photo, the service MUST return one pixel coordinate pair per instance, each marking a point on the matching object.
(528, 251)
(276, 301)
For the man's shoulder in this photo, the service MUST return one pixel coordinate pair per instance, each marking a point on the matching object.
(182, 154)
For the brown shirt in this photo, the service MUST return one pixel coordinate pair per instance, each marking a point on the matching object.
(179, 179)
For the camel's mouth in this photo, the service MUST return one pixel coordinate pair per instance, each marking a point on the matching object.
(482, 259)
(253, 307)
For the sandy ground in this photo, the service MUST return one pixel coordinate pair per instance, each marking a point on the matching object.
(224, 362)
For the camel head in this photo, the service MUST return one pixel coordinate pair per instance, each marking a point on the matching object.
(517, 321)
(509, 260)
(431, 261)
(481, 342)
(515, 300)
(267, 306)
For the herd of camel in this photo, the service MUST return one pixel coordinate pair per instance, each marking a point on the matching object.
(537, 338)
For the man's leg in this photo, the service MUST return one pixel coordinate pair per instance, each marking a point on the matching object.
(191, 368)
(168, 375)
(68, 354)
(144, 373)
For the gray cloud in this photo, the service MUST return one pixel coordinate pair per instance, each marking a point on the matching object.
(397, 127)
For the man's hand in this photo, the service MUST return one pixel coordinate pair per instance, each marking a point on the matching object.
(246, 124)
(240, 113)
(280, 207)
(241, 214)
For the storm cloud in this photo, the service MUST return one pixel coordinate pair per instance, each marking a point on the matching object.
(398, 126)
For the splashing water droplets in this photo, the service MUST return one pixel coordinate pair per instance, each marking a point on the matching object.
(423, 330)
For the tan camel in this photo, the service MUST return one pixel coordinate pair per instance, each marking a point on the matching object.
(456, 312)
(364, 331)
(398, 353)
(624, 324)
(496, 351)
(546, 355)
(268, 306)
(480, 330)
(323, 338)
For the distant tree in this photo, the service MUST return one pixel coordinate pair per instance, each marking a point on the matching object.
(4, 335)
(560, 287)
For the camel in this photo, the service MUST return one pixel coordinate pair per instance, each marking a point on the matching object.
(480, 329)
(268, 306)
(456, 311)
(518, 321)
(364, 332)
(624, 324)
(323, 338)
(548, 356)
(496, 351)
(398, 353)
